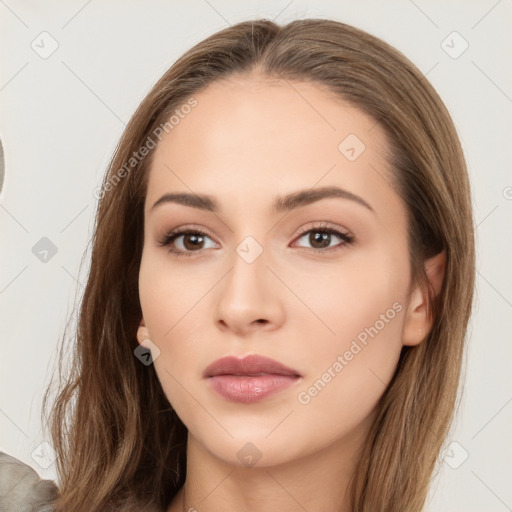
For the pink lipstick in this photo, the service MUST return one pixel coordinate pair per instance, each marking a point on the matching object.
(249, 379)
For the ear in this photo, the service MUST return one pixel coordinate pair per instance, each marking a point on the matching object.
(143, 334)
(418, 317)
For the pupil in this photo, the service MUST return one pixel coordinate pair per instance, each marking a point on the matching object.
(323, 239)
(195, 240)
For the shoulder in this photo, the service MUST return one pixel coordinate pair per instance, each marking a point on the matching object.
(21, 488)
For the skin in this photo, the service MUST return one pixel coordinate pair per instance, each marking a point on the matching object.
(248, 140)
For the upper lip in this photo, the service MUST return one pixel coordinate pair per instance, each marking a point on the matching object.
(248, 365)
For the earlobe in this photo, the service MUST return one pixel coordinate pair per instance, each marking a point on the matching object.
(143, 334)
(418, 317)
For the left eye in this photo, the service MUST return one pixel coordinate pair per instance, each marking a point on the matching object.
(321, 239)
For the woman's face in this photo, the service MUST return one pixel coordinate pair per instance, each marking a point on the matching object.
(299, 255)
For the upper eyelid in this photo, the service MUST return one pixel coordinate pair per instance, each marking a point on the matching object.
(322, 225)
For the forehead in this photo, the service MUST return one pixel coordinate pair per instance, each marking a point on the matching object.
(253, 134)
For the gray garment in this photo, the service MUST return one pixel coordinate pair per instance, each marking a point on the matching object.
(21, 488)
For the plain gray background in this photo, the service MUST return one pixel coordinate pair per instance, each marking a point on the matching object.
(63, 112)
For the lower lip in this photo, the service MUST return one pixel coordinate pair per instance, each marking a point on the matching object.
(248, 389)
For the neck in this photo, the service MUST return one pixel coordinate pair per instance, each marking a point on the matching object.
(315, 482)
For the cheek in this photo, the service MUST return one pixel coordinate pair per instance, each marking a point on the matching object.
(169, 294)
(362, 303)
(350, 297)
(174, 304)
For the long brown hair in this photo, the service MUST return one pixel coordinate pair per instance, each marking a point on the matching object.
(120, 445)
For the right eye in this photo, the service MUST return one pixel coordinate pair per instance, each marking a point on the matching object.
(185, 241)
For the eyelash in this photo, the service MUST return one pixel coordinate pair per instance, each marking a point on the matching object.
(169, 238)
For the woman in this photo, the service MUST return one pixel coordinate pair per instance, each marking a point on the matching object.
(305, 354)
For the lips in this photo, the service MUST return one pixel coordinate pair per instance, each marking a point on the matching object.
(249, 365)
(249, 379)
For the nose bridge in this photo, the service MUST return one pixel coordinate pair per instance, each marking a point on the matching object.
(248, 295)
(248, 279)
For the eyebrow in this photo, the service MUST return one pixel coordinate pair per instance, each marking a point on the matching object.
(281, 203)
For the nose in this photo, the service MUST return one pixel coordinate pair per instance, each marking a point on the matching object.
(249, 298)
